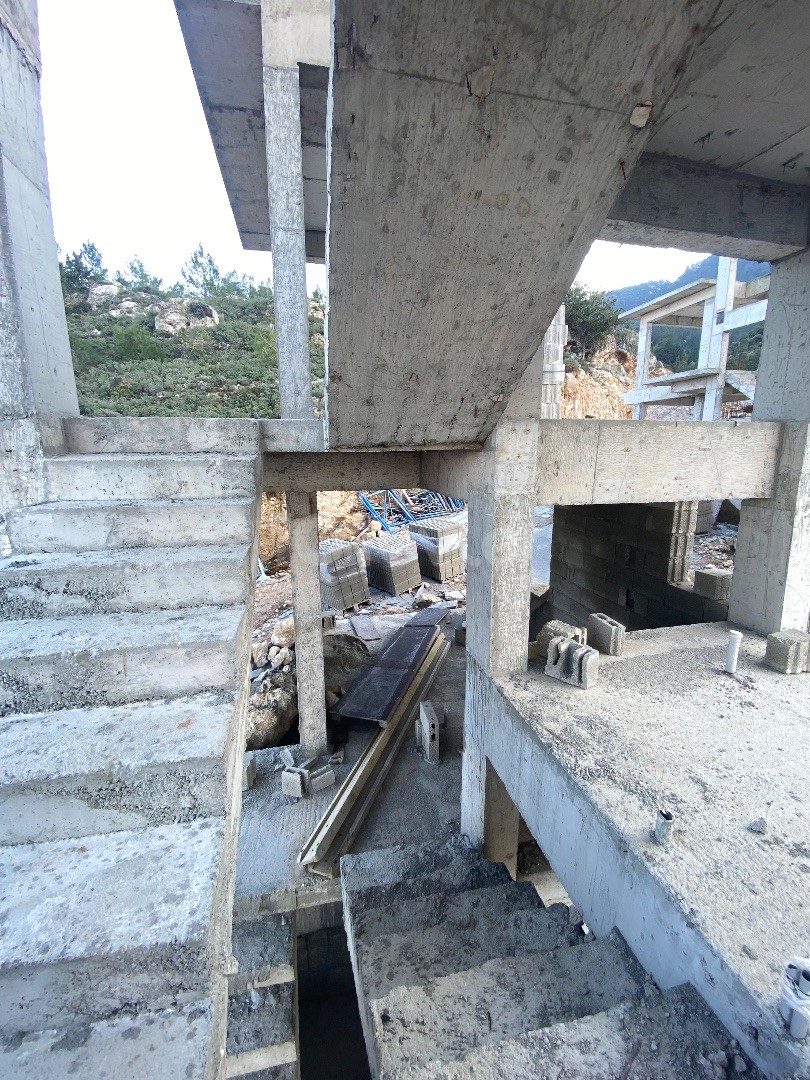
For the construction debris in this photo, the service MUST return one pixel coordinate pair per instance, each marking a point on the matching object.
(392, 562)
(557, 628)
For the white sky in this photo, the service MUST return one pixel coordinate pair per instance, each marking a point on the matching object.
(131, 162)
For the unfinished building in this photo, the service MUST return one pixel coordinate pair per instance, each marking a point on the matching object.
(451, 163)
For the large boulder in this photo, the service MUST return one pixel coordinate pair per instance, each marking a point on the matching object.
(283, 633)
(272, 710)
(343, 654)
(104, 293)
(181, 313)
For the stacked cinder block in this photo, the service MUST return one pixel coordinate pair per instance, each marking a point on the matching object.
(392, 562)
(440, 542)
(629, 562)
(343, 574)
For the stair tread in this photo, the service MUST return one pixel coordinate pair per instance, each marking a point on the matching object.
(143, 557)
(461, 943)
(114, 505)
(93, 460)
(444, 1017)
(110, 738)
(25, 638)
(111, 477)
(160, 434)
(67, 900)
(148, 1045)
(672, 1031)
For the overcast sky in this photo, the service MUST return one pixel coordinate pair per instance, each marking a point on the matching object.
(131, 163)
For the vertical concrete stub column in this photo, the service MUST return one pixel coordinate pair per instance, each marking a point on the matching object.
(302, 525)
(499, 547)
(29, 248)
(714, 348)
(642, 362)
(771, 585)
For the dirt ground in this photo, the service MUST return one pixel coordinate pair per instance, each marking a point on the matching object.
(340, 515)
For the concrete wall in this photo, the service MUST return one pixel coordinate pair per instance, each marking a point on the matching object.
(630, 562)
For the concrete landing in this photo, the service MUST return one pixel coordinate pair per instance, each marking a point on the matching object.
(725, 905)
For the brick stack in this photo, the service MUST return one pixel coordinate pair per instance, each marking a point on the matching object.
(630, 562)
(440, 542)
(392, 562)
(343, 574)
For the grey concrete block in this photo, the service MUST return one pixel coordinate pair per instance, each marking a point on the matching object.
(264, 951)
(605, 634)
(293, 783)
(248, 771)
(557, 628)
(788, 651)
(572, 663)
(430, 741)
(321, 779)
(714, 584)
(261, 1018)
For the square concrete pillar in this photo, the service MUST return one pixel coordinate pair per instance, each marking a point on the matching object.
(499, 546)
(771, 586)
(302, 525)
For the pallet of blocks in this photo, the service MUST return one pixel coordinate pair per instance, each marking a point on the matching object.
(441, 546)
(392, 562)
(343, 574)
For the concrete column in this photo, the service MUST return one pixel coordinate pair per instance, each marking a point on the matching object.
(302, 525)
(642, 362)
(552, 374)
(499, 547)
(771, 585)
(282, 111)
(29, 249)
(714, 346)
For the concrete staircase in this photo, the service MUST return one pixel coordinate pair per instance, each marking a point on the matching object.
(461, 972)
(124, 644)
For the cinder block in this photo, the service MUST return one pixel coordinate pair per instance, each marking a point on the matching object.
(788, 651)
(715, 611)
(430, 738)
(714, 584)
(293, 783)
(321, 779)
(556, 628)
(248, 771)
(605, 634)
(572, 663)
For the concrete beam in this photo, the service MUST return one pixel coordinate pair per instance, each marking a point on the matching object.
(668, 202)
(340, 472)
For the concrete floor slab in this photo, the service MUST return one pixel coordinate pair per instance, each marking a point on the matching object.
(723, 905)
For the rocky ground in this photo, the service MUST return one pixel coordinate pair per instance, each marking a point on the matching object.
(716, 549)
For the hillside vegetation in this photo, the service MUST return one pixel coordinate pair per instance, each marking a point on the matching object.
(205, 346)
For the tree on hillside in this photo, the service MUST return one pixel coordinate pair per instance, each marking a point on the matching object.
(202, 277)
(591, 317)
(82, 269)
(138, 279)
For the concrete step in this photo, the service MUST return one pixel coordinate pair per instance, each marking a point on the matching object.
(479, 930)
(124, 477)
(160, 435)
(664, 1037)
(82, 772)
(392, 877)
(53, 585)
(264, 949)
(95, 526)
(444, 1018)
(89, 660)
(157, 1045)
(261, 1029)
(92, 926)
(424, 912)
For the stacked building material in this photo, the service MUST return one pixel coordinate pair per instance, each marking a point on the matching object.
(441, 546)
(392, 562)
(343, 574)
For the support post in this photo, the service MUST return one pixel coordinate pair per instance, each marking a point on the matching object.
(499, 547)
(302, 525)
(714, 348)
(771, 585)
(282, 108)
(642, 363)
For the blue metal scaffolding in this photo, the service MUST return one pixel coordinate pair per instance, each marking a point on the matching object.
(395, 512)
